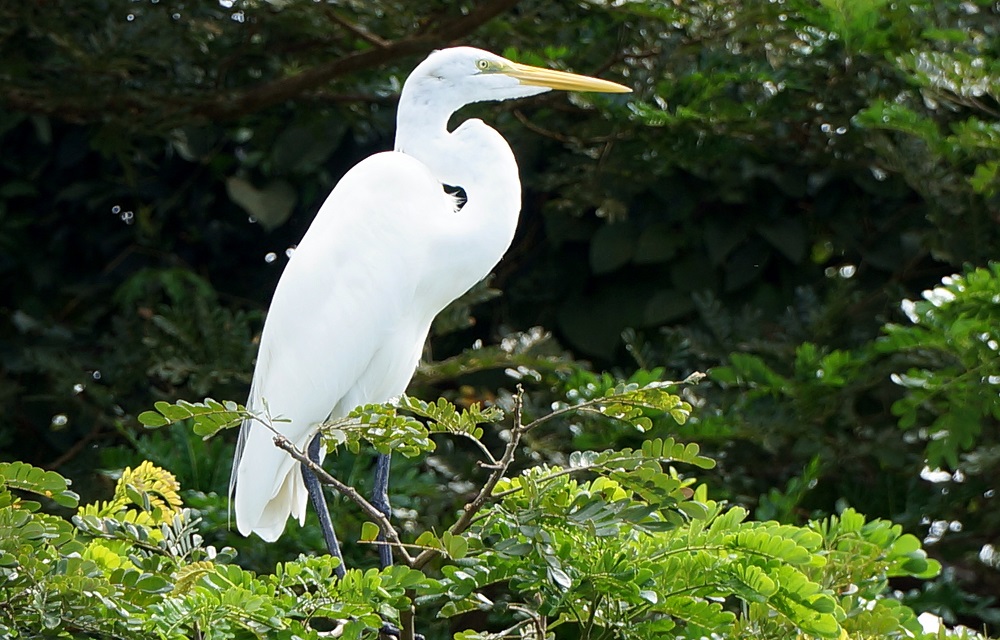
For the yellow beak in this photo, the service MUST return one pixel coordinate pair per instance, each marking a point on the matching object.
(539, 77)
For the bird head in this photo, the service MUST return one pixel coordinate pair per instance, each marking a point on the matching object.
(462, 75)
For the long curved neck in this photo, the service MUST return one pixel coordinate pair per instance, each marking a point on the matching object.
(476, 158)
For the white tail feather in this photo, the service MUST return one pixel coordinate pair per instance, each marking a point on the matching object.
(266, 486)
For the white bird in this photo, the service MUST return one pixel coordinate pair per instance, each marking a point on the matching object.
(388, 250)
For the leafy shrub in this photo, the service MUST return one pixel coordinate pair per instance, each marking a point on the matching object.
(620, 543)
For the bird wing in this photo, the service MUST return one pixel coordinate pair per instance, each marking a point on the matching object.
(343, 322)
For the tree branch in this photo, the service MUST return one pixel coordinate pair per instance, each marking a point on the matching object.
(349, 492)
(169, 108)
(356, 29)
(281, 89)
(499, 470)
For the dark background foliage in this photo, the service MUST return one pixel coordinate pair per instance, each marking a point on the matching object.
(783, 176)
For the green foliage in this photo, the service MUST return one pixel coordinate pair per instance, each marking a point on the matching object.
(132, 570)
(953, 343)
(446, 419)
(388, 431)
(195, 342)
(458, 315)
(935, 372)
(780, 505)
(944, 360)
(48, 484)
(569, 555)
(523, 354)
(208, 417)
(149, 487)
(617, 542)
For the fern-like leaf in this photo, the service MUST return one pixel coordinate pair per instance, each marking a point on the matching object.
(25, 477)
(150, 487)
(186, 577)
(445, 418)
(209, 417)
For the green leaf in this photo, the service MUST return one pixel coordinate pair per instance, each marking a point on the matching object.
(559, 578)
(985, 178)
(209, 417)
(369, 531)
(25, 477)
(457, 547)
(896, 117)
(153, 420)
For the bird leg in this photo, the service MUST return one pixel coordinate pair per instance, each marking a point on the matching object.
(380, 500)
(318, 501)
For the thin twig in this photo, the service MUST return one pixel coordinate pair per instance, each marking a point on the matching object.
(267, 93)
(77, 447)
(559, 137)
(288, 87)
(566, 472)
(499, 470)
(590, 405)
(476, 441)
(547, 133)
(509, 631)
(536, 620)
(592, 618)
(357, 29)
(347, 491)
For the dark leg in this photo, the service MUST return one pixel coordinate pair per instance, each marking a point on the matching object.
(319, 504)
(380, 500)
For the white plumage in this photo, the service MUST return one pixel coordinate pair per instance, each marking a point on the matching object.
(386, 252)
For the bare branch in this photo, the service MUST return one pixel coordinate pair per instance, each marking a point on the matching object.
(407, 621)
(170, 108)
(276, 91)
(471, 509)
(357, 29)
(349, 492)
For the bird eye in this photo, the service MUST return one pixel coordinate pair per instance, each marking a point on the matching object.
(483, 64)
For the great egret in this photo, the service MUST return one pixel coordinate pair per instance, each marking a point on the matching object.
(387, 251)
